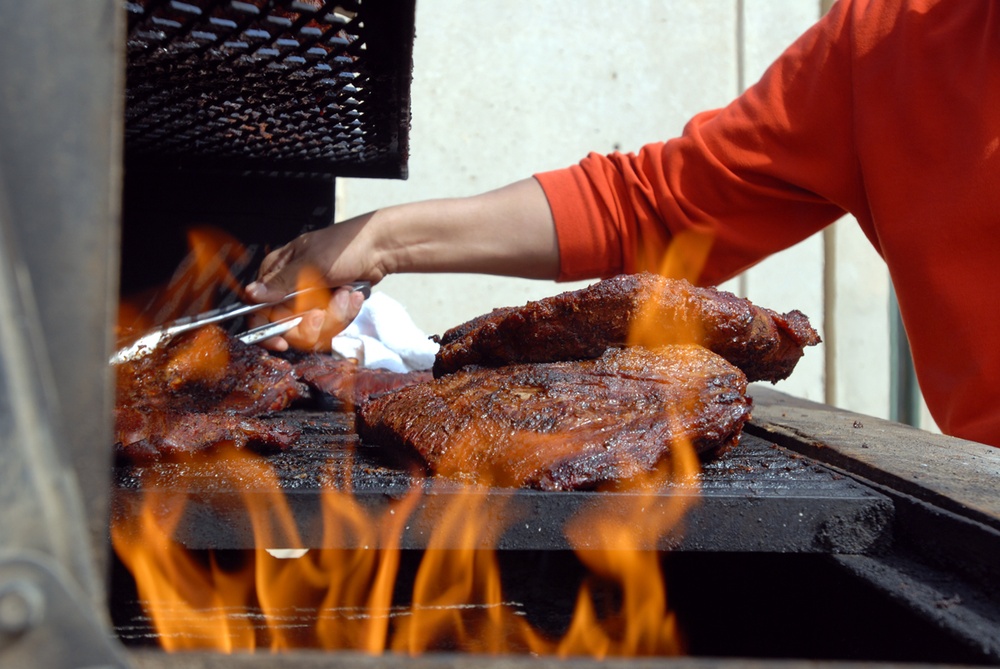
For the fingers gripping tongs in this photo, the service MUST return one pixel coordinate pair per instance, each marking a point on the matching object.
(161, 334)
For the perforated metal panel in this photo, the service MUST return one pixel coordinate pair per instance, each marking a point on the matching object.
(270, 85)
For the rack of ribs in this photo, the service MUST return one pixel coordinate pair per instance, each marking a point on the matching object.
(343, 383)
(203, 388)
(207, 387)
(582, 324)
(564, 425)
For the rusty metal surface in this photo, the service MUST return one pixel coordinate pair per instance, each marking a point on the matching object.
(757, 497)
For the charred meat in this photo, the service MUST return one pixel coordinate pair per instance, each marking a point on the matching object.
(582, 324)
(204, 388)
(151, 433)
(208, 370)
(345, 382)
(564, 425)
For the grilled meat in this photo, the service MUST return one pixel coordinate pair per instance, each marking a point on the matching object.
(151, 433)
(346, 383)
(565, 425)
(582, 324)
(201, 389)
(206, 388)
(208, 370)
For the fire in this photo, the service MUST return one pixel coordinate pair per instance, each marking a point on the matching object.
(348, 591)
(207, 273)
(624, 544)
(684, 259)
(196, 603)
(457, 602)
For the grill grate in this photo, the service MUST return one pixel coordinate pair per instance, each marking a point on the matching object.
(270, 85)
(757, 497)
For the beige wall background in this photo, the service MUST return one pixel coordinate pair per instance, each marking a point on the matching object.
(502, 90)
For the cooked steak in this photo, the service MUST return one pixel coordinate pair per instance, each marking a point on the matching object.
(205, 388)
(581, 324)
(564, 425)
(345, 382)
(199, 390)
(208, 370)
(153, 433)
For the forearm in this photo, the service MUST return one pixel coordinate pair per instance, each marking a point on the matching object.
(508, 231)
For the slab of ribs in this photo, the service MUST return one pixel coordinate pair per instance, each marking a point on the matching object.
(582, 324)
(558, 394)
(207, 387)
(565, 425)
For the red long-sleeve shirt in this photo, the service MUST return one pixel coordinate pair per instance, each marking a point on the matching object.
(887, 109)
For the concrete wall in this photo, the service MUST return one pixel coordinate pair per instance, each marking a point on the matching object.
(502, 90)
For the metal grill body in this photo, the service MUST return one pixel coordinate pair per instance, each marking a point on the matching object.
(294, 86)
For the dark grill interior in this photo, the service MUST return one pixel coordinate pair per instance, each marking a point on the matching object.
(302, 85)
(241, 115)
(729, 605)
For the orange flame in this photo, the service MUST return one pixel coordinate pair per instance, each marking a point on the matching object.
(684, 259)
(198, 606)
(457, 596)
(198, 282)
(349, 593)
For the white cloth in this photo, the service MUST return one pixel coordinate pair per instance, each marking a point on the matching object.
(383, 336)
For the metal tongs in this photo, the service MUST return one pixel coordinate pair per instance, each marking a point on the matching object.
(161, 334)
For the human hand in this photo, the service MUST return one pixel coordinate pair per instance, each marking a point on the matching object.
(323, 316)
(327, 258)
(508, 231)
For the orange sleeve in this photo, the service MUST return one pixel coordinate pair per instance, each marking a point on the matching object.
(767, 171)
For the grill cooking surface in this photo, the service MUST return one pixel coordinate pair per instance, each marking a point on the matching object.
(788, 556)
(270, 85)
(758, 497)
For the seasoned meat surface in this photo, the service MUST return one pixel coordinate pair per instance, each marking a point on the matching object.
(207, 387)
(564, 425)
(208, 370)
(627, 309)
(345, 382)
(152, 433)
(201, 389)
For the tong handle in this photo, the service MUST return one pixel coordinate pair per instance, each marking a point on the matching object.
(268, 330)
(280, 327)
(162, 334)
(226, 313)
(237, 309)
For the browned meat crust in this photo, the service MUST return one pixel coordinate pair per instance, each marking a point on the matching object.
(564, 425)
(208, 370)
(348, 384)
(581, 324)
(200, 390)
(147, 434)
(205, 387)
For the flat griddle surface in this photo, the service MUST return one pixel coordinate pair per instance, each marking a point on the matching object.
(757, 497)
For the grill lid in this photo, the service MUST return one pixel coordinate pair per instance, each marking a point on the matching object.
(269, 85)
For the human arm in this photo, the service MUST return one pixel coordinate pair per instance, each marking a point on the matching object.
(767, 171)
(771, 168)
(507, 231)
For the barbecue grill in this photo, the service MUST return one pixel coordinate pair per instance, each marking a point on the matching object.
(825, 535)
